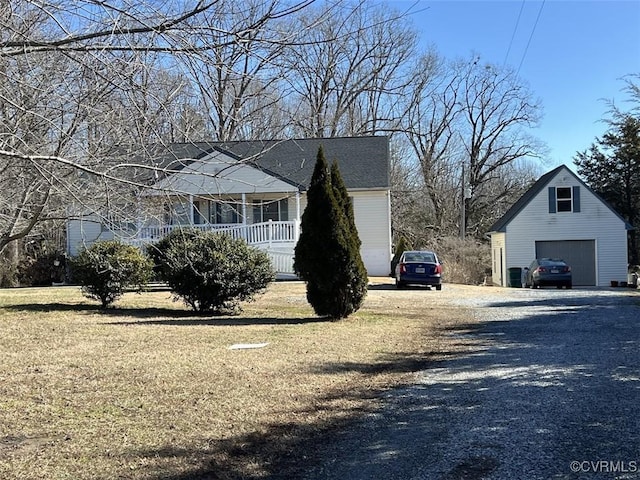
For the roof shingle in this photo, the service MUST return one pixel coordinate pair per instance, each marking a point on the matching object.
(363, 161)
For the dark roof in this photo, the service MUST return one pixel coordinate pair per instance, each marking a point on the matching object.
(541, 183)
(363, 161)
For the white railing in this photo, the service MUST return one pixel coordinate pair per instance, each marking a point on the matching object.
(282, 262)
(265, 233)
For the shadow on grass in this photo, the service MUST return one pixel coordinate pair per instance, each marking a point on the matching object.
(163, 316)
(224, 321)
(143, 312)
(393, 363)
(288, 450)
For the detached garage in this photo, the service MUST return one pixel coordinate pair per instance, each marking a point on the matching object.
(561, 217)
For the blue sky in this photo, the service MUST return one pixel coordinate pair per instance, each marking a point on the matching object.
(576, 55)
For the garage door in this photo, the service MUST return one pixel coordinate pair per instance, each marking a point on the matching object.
(580, 254)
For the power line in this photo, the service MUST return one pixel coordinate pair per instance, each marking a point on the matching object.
(524, 54)
(515, 29)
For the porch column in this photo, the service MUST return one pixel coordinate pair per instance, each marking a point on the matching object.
(244, 208)
(296, 231)
(138, 216)
(190, 207)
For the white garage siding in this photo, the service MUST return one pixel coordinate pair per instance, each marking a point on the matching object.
(497, 259)
(595, 221)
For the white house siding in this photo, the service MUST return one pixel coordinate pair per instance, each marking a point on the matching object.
(83, 233)
(372, 213)
(595, 221)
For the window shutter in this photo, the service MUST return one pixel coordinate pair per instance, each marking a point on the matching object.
(576, 199)
(552, 200)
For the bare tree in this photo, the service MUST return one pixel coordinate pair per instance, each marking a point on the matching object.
(466, 123)
(498, 110)
(430, 114)
(345, 75)
(78, 78)
(239, 81)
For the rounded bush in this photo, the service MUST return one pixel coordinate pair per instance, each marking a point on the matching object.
(107, 269)
(211, 272)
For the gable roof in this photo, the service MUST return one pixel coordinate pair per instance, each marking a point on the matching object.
(363, 161)
(537, 187)
(206, 176)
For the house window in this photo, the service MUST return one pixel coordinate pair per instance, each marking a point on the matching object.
(198, 214)
(207, 211)
(224, 212)
(564, 199)
(176, 214)
(276, 210)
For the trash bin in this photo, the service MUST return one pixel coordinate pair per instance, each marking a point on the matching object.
(515, 277)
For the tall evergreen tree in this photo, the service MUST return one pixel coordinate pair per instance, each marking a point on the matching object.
(327, 255)
(611, 167)
(344, 202)
(354, 271)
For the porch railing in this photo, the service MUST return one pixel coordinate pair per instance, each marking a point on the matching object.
(265, 233)
(278, 239)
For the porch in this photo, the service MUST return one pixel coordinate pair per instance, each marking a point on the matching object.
(276, 238)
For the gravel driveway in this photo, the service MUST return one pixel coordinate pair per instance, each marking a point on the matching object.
(550, 389)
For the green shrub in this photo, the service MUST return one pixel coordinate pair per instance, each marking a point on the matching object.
(108, 268)
(177, 239)
(211, 272)
(43, 270)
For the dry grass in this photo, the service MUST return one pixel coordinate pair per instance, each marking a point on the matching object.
(149, 390)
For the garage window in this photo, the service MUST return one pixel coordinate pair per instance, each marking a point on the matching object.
(564, 199)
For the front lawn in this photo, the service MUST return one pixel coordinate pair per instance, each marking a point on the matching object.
(149, 390)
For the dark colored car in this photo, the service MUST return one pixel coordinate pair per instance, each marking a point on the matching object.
(419, 267)
(544, 272)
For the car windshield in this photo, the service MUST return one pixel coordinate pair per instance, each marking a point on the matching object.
(552, 262)
(420, 257)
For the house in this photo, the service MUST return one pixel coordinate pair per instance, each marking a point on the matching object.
(254, 190)
(561, 217)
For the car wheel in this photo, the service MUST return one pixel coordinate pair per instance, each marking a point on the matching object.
(438, 287)
(569, 286)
